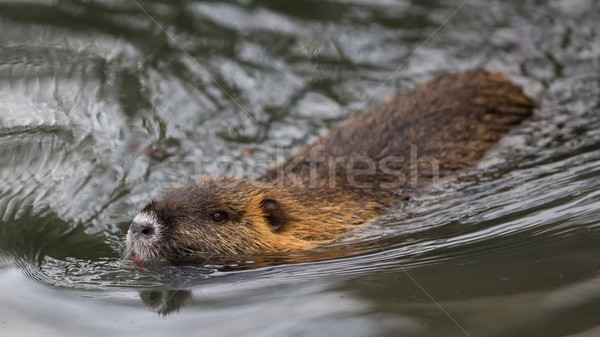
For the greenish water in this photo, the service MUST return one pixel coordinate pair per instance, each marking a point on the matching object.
(102, 108)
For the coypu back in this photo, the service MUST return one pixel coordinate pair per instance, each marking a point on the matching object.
(448, 122)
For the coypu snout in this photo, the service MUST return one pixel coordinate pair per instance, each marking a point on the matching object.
(143, 236)
(144, 230)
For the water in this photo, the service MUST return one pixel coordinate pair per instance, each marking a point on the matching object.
(101, 110)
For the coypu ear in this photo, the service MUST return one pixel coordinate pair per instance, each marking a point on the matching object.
(275, 216)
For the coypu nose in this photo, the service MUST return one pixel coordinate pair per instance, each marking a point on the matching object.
(143, 229)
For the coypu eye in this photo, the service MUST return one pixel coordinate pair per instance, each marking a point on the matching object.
(218, 216)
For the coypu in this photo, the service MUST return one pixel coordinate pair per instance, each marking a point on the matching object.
(344, 179)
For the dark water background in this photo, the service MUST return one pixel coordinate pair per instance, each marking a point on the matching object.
(101, 109)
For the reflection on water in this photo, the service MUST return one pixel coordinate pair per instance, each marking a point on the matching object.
(165, 302)
(101, 110)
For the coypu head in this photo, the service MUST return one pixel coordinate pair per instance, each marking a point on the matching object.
(214, 217)
(224, 217)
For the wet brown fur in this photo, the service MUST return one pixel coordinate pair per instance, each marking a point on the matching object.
(452, 118)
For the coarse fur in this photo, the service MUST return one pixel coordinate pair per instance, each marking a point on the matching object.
(347, 177)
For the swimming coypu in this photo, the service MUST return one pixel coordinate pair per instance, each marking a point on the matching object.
(351, 175)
